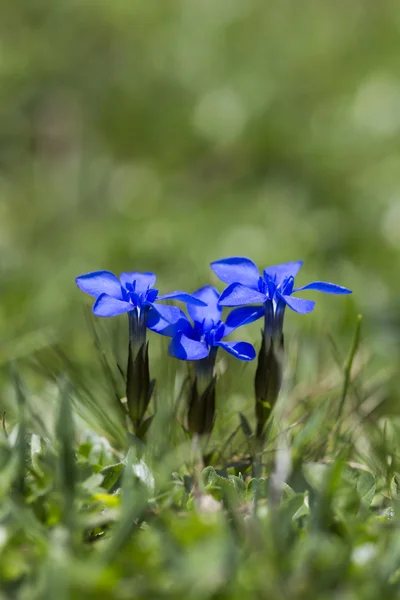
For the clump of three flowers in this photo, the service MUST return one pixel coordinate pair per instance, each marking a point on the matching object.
(253, 296)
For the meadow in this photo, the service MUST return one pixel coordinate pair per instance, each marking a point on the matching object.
(160, 137)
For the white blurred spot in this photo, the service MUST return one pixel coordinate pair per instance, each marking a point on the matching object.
(376, 105)
(262, 511)
(142, 472)
(220, 115)
(3, 536)
(363, 554)
(207, 504)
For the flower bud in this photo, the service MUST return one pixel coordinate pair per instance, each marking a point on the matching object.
(139, 388)
(201, 407)
(268, 379)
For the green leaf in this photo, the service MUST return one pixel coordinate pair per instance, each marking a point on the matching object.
(209, 476)
(37, 447)
(366, 487)
(93, 483)
(111, 475)
(230, 491)
(256, 488)
(134, 497)
(394, 487)
(65, 431)
(238, 485)
(287, 491)
(363, 482)
(246, 428)
(215, 491)
(296, 506)
(20, 444)
(144, 427)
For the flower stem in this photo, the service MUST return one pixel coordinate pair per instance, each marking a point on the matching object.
(204, 370)
(137, 329)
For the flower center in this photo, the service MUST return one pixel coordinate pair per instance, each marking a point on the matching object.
(213, 333)
(262, 285)
(138, 299)
(267, 285)
(286, 287)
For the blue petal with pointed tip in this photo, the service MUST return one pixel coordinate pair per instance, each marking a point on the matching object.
(108, 306)
(241, 350)
(156, 323)
(324, 286)
(237, 269)
(237, 294)
(185, 348)
(242, 316)
(298, 304)
(280, 272)
(99, 282)
(209, 311)
(143, 280)
(183, 297)
(171, 314)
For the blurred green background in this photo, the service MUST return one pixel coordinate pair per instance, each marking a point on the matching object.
(141, 135)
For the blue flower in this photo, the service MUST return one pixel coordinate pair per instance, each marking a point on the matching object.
(195, 341)
(132, 293)
(273, 290)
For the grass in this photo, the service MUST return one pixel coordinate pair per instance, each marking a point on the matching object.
(163, 136)
(88, 511)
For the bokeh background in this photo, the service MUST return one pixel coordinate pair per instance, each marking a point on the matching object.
(140, 135)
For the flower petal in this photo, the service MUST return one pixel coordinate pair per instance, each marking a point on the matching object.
(156, 323)
(241, 350)
(209, 311)
(242, 316)
(108, 306)
(324, 286)
(237, 269)
(185, 348)
(237, 294)
(280, 272)
(298, 304)
(99, 282)
(143, 280)
(183, 297)
(171, 314)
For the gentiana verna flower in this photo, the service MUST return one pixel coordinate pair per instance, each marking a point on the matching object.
(195, 341)
(132, 293)
(198, 341)
(273, 290)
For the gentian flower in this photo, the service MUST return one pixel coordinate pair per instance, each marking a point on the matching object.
(273, 291)
(132, 293)
(198, 340)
